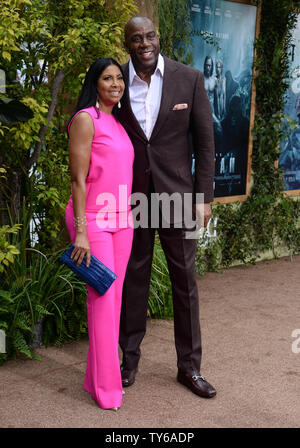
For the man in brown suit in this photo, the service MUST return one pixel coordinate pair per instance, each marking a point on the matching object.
(164, 103)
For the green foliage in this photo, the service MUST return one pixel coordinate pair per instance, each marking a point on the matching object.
(13, 26)
(175, 29)
(209, 251)
(7, 250)
(40, 288)
(160, 295)
(15, 322)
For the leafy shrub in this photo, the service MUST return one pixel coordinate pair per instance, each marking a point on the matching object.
(40, 288)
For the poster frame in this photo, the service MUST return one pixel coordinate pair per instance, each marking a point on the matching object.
(291, 193)
(241, 198)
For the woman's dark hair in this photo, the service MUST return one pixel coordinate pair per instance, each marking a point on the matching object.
(88, 95)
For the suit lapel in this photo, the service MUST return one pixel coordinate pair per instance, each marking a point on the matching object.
(168, 91)
(130, 119)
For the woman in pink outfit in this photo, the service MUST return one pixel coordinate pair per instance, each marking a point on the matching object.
(98, 217)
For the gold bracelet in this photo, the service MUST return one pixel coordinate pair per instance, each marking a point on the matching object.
(79, 221)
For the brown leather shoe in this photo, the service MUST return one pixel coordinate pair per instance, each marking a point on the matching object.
(197, 384)
(128, 377)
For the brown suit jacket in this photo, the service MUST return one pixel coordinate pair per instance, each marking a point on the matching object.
(167, 154)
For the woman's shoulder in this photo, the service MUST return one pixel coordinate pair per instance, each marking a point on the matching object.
(83, 117)
(83, 114)
(88, 111)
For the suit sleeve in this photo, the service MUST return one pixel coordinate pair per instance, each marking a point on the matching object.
(203, 141)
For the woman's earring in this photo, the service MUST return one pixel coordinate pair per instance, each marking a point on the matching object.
(119, 105)
(97, 103)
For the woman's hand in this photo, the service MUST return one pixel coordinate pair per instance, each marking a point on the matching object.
(82, 248)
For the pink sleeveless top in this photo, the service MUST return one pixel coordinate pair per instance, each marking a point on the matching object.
(109, 181)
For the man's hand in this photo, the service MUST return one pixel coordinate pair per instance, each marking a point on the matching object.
(203, 214)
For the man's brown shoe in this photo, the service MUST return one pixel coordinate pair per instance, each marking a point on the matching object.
(197, 384)
(128, 377)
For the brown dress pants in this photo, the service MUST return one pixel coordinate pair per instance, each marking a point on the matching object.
(180, 255)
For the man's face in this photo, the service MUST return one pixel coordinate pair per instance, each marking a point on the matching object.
(142, 43)
(219, 69)
(207, 67)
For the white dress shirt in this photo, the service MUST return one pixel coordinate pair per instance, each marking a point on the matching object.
(145, 100)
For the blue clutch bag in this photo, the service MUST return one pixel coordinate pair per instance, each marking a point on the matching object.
(97, 275)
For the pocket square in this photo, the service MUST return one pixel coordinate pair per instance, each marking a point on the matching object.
(180, 106)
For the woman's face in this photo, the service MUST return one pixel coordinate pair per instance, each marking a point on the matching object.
(110, 86)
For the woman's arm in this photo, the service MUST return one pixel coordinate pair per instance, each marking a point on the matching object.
(80, 143)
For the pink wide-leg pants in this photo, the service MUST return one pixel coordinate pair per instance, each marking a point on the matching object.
(112, 246)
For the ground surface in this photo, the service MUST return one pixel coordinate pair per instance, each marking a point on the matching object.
(247, 314)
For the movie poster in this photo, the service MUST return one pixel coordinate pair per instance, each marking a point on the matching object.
(289, 159)
(223, 49)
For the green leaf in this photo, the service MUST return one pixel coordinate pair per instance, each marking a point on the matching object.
(6, 55)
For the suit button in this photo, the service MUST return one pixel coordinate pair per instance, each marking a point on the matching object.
(147, 170)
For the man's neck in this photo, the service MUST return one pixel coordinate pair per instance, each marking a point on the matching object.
(145, 76)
